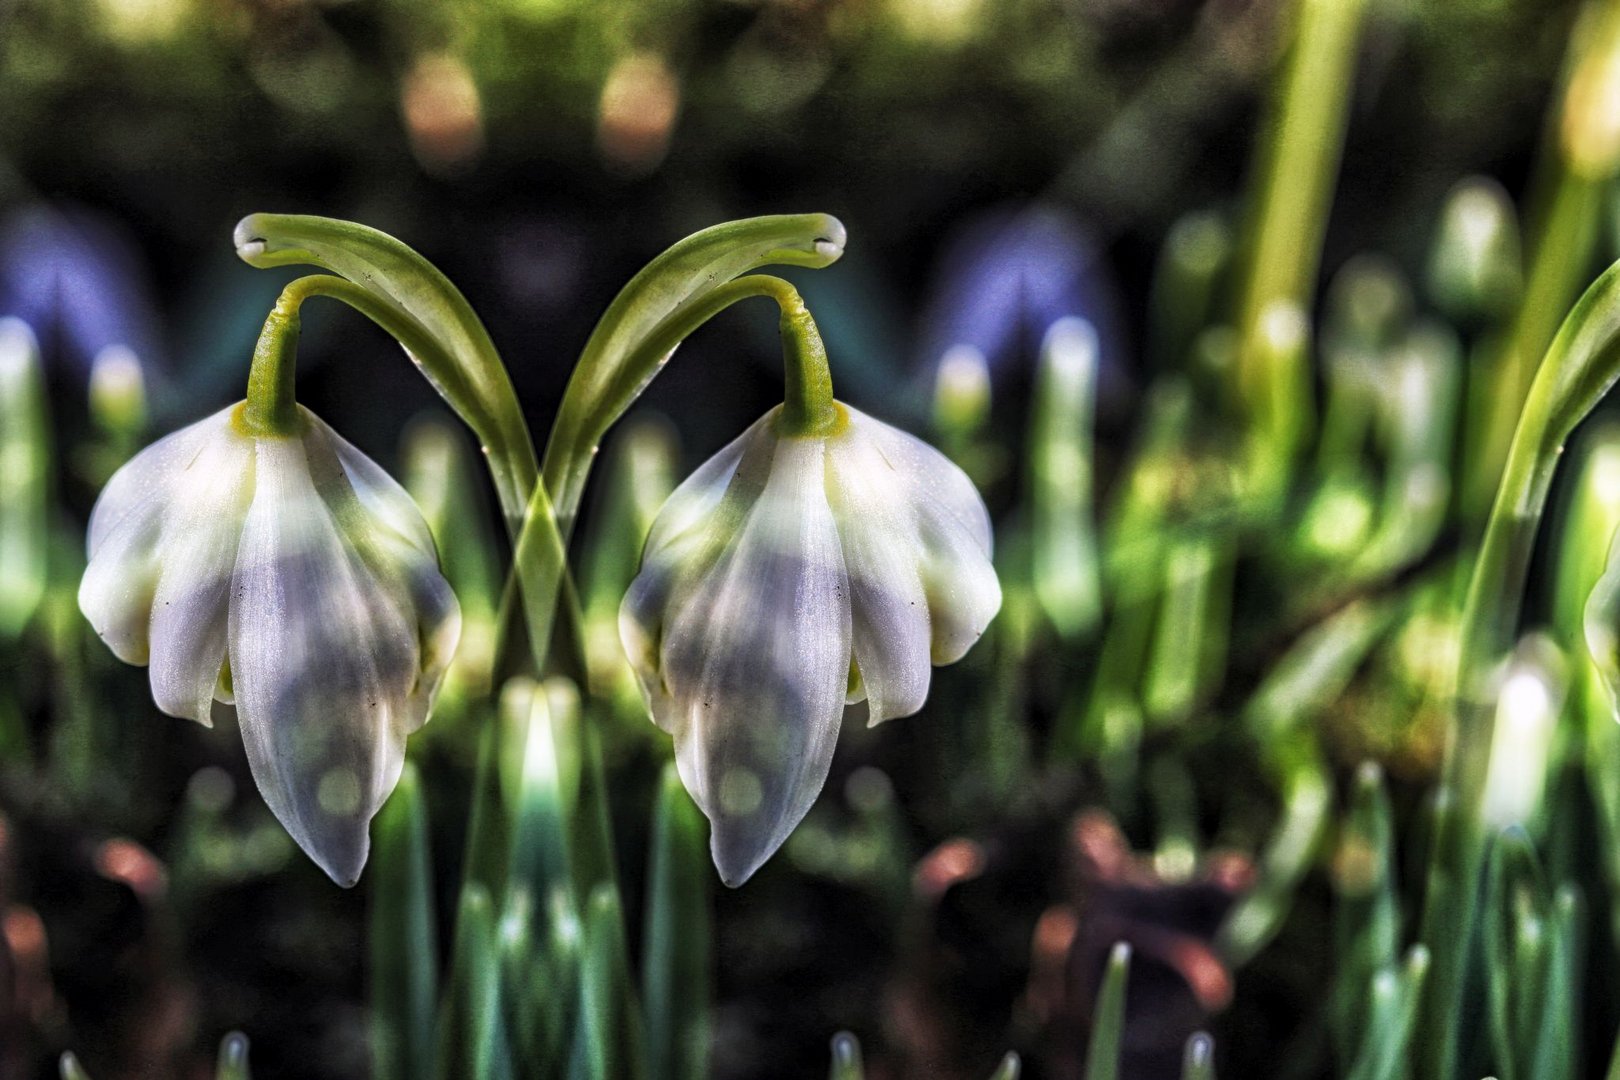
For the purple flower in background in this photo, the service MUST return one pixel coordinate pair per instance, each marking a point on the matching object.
(1007, 276)
(77, 280)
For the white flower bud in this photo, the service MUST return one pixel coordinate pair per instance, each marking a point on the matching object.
(788, 577)
(291, 576)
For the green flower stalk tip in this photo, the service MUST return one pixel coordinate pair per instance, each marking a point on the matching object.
(794, 574)
(662, 305)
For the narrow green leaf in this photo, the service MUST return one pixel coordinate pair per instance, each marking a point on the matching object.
(1108, 1020)
(442, 478)
(1189, 644)
(1391, 1016)
(640, 474)
(1297, 166)
(404, 936)
(1476, 268)
(233, 1058)
(472, 1036)
(1063, 537)
(1009, 1069)
(1195, 257)
(538, 861)
(675, 980)
(1418, 406)
(591, 819)
(846, 1058)
(24, 499)
(1314, 672)
(71, 1069)
(1255, 919)
(1515, 939)
(1556, 1052)
(1367, 924)
(490, 820)
(1199, 1061)
(608, 1040)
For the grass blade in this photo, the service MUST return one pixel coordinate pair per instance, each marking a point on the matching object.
(675, 984)
(404, 938)
(1108, 1022)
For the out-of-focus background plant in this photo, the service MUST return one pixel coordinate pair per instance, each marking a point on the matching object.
(1229, 306)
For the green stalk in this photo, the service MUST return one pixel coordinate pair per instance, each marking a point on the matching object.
(1108, 1017)
(846, 1058)
(409, 298)
(233, 1058)
(1572, 186)
(541, 553)
(25, 458)
(651, 316)
(1063, 537)
(1296, 172)
(271, 408)
(1199, 1061)
(1580, 367)
(404, 938)
(675, 979)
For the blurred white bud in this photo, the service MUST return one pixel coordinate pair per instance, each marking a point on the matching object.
(118, 390)
(1526, 716)
(24, 468)
(962, 391)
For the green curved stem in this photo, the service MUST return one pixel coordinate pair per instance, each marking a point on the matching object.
(808, 399)
(271, 408)
(409, 298)
(808, 409)
(1580, 367)
(637, 333)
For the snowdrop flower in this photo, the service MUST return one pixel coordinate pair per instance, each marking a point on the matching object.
(257, 558)
(821, 559)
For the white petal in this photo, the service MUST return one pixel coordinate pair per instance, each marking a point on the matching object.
(324, 658)
(953, 528)
(381, 495)
(930, 475)
(145, 480)
(963, 591)
(125, 527)
(756, 659)
(115, 593)
(196, 553)
(699, 495)
(691, 531)
(888, 607)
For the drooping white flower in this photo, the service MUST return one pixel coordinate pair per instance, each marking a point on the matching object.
(789, 576)
(291, 576)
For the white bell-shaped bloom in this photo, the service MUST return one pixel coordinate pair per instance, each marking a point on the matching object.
(788, 577)
(291, 576)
